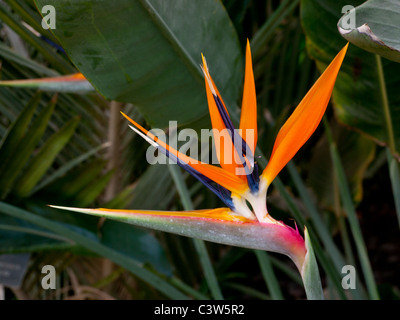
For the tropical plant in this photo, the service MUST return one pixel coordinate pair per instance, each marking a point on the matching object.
(64, 142)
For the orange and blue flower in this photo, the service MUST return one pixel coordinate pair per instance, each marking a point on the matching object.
(237, 183)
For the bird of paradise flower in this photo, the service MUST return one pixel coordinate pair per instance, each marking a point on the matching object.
(237, 224)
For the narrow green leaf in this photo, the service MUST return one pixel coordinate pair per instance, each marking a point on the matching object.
(262, 35)
(136, 243)
(23, 150)
(17, 130)
(95, 246)
(352, 216)
(310, 273)
(187, 289)
(68, 166)
(395, 180)
(93, 190)
(199, 244)
(45, 157)
(357, 153)
(46, 50)
(72, 184)
(17, 235)
(10, 55)
(269, 275)
(30, 17)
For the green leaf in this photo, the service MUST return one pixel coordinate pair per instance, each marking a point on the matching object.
(375, 29)
(155, 180)
(356, 151)
(44, 159)
(23, 150)
(58, 62)
(357, 98)
(91, 191)
(17, 130)
(150, 55)
(136, 243)
(67, 167)
(91, 243)
(394, 172)
(10, 55)
(72, 184)
(310, 272)
(349, 207)
(20, 236)
(269, 275)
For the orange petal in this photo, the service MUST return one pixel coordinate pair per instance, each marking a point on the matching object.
(248, 117)
(222, 139)
(217, 174)
(304, 120)
(224, 214)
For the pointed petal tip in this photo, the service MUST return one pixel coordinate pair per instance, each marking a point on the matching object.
(305, 118)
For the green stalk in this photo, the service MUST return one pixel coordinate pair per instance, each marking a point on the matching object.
(269, 275)
(187, 289)
(385, 105)
(320, 225)
(325, 262)
(199, 244)
(392, 162)
(352, 216)
(261, 37)
(336, 257)
(395, 180)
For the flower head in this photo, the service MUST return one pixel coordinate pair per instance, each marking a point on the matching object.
(236, 181)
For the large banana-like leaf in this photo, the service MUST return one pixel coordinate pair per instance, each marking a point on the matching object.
(357, 99)
(375, 27)
(148, 52)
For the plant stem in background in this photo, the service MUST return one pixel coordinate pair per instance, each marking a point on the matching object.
(385, 105)
(114, 150)
(113, 164)
(199, 244)
(269, 276)
(391, 152)
(351, 215)
(266, 31)
(395, 179)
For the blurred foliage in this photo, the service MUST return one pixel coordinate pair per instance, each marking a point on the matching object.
(73, 148)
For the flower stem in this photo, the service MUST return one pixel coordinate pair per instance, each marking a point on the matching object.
(385, 105)
(391, 153)
(394, 172)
